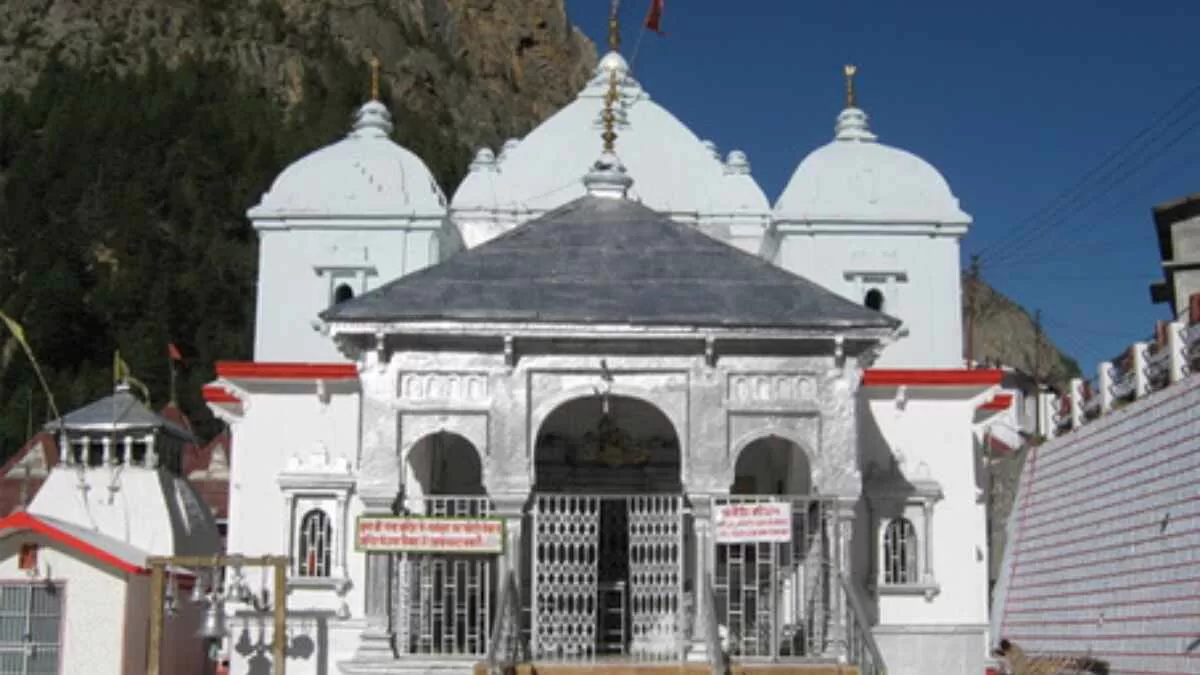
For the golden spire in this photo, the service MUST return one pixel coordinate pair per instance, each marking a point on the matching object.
(609, 117)
(374, 62)
(614, 27)
(850, 71)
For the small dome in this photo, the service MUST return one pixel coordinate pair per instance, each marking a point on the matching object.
(854, 178)
(478, 188)
(739, 193)
(364, 174)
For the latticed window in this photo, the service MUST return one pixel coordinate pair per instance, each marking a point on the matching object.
(900, 553)
(314, 547)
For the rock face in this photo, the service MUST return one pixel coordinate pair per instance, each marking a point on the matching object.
(490, 68)
(1006, 334)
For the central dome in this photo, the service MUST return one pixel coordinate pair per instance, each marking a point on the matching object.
(672, 170)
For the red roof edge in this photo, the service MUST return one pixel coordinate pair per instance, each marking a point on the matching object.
(251, 370)
(22, 520)
(976, 377)
(999, 402)
(219, 396)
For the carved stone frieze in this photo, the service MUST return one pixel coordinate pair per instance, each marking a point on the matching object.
(771, 389)
(449, 389)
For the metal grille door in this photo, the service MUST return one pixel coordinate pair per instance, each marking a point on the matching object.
(30, 626)
(566, 531)
(599, 591)
(656, 576)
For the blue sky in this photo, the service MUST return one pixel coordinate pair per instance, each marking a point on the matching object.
(1014, 102)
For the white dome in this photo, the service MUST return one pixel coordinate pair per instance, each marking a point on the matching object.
(856, 179)
(364, 174)
(672, 169)
(738, 193)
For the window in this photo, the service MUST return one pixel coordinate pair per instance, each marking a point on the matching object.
(874, 299)
(342, 293)
(314, 545)
(30, 618)
(900, 553)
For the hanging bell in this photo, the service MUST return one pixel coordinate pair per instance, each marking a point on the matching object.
(212, 627)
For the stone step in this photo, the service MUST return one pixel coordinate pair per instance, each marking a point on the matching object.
(617, 668)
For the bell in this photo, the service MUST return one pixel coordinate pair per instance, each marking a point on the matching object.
(212, 627)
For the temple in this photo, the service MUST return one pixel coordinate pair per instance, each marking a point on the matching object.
(607, 402)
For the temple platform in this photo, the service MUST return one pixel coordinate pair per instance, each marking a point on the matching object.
(622, 667)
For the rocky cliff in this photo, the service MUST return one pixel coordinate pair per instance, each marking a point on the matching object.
(485, 68)
(134, 134)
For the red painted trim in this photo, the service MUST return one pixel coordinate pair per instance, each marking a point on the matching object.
(981, 377)
(251, 370)
(219, 396)
(999, 403)
(22, 520)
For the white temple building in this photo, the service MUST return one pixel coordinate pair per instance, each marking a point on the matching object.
(611, 409)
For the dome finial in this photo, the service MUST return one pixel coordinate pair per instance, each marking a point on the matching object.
(607, 177)
(850, 70)
(614, 27)
(610, 117)
(374, 63)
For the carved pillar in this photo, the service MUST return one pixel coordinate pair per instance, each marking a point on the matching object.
(927, 577)
(379, 481)
(841, 533)
(377, 641)
(511, 507)
(702, 612)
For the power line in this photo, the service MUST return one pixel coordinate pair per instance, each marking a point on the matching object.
(1046, 226)
(1071, 193)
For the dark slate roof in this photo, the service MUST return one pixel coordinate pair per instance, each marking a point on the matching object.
(120, 412)
(603, 260)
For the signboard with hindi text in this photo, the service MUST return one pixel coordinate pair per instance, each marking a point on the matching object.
(429, 534)
(753, 523)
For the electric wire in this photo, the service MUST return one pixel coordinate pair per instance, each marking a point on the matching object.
(1073, 193)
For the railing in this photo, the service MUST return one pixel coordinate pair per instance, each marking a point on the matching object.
(444, 602)
(504, 645)
(712, 632)
(861, 649)
(773, 601)
(1144, 368)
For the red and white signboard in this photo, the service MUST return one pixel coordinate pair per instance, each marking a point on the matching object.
(750, 523)
(417, 534)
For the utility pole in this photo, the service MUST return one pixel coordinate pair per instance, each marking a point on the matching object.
(972, 307)
(1038, 376)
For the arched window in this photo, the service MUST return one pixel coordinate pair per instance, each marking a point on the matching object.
(314, 548)
(874, 299)
(342, 293)
(900, 553)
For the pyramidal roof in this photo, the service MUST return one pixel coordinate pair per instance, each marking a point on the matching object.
(609, 261)
(122, 411)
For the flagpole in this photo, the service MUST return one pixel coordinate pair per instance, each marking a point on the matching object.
(18, 333)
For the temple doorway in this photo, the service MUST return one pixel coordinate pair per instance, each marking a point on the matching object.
(607, 545)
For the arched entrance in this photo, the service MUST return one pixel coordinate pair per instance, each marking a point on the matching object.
(607, 547)
(445, 607)
(773, 597)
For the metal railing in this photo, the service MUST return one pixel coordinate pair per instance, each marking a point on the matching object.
(774, 601)
(712, 632)
(444, 602)
(861, 648)
(504, 645)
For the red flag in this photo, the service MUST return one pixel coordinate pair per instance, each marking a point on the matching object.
(654, 16)
(173, 352)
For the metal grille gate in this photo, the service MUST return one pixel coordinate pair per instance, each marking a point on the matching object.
(773, 600)
(443, 601)
(608, 577)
